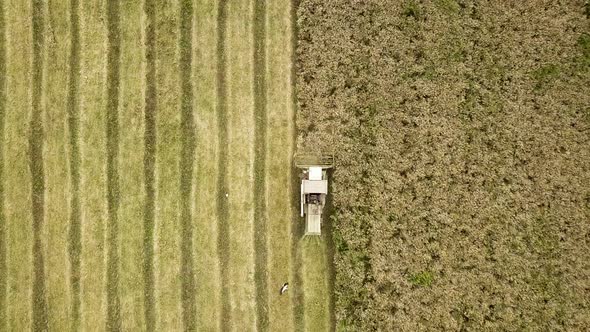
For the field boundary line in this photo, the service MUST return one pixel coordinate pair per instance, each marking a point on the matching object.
(149, 164)
(260, 133)
(3, 239)
(39, 300)
(186, 166)
(222, 203)
(73, 113)
(113, 321)
(297, 230)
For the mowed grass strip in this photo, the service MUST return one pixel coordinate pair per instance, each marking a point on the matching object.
(205, 216)
(240, 178)
(315, 280)
(36, 143)
(280, 136)
(260, 167)
(131, 167)
(3, 249)
(187, 126)
(113, 322)
(92, 163)
(149, 164)
(73, 123)
(221, 108)
(167, 250)
(297, 231)
(17, 178)
(55, 233)
(297, 223)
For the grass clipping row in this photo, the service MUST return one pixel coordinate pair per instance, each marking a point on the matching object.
(462, 180)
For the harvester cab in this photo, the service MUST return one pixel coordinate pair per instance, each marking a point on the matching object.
(314, 189)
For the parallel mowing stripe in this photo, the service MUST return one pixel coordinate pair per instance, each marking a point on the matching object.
(297, 227)
(3, 272)
(149, 164)
(37, 174)
(186, 167)
(222, 203)
(73, 108)
(260, 124)
(113, 322)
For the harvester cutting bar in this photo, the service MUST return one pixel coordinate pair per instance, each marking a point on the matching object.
(308, 160)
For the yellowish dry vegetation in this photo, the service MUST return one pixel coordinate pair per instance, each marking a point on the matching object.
(56, 165)
(279, 150)
(240, 179)
(17, 185)
(206, 255)
(460, 129)
(131, 168)
(315, 282)
(140, 143)
(167, 224)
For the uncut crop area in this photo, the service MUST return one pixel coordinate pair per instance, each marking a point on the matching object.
(146, 175)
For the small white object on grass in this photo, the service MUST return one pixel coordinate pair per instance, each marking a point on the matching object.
(226, 195)
(284, 288)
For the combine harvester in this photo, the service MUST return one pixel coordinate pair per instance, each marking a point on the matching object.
(314, 188)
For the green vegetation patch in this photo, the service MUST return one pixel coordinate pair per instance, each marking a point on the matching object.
(545, 75)
(422, 279)
(583, 43)
(412, 10)
(448, 6)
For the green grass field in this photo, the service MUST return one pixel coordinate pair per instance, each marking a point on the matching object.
(146, 180)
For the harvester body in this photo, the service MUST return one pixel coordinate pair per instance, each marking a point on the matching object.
(314, 189)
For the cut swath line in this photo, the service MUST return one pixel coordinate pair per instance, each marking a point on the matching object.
(186, 167)
(37, 173)
(260, 123)
(149, 164)
(73, 109)
(3, 272)
(112, 137)
(222, 204)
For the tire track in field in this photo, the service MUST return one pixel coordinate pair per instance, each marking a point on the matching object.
(260, 127)
(330, 270)
(222, 203)
(149, 165)
(186, 167)
(3, 270)
(297, 231)
(73, 110)
(113, 322)
(39, 315)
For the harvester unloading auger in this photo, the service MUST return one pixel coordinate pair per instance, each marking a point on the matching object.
(314, 188)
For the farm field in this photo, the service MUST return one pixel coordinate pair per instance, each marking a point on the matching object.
(146, 175)
(461, 184)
